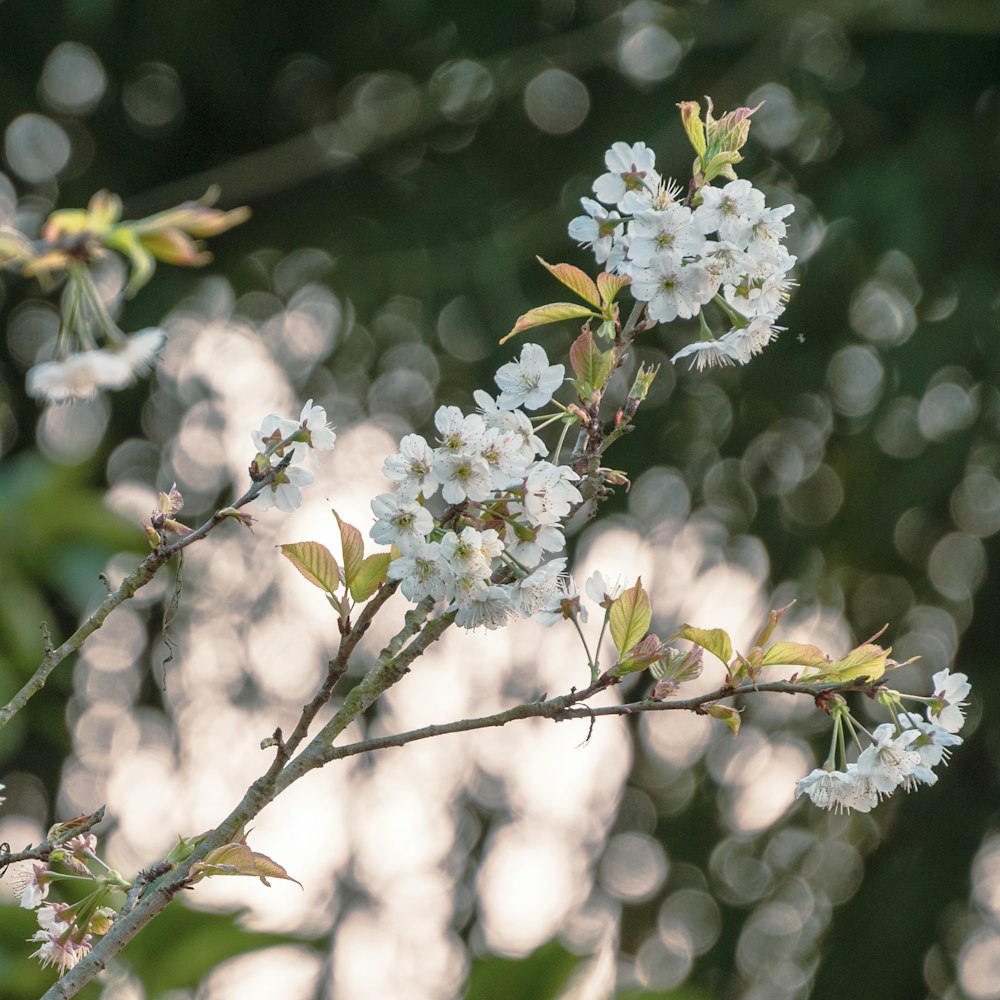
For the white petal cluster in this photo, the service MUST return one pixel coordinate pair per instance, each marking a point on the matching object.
(504, 503)
(680, 256)
(312, 433)
(901, 754)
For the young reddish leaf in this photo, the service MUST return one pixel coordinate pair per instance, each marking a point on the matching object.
(370, 575)
(715, 640)
(592, 367)
(574, 279)
(315, 562)
(552, 313)
(354, 549)
(239, 859)
(726, 714)
(629, 618)
(648, 652)
(795, 654)
(609, 285)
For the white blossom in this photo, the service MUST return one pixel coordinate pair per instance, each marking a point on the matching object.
(672, 288)
(950, 691)
(630, 168)
(889, 760)
(731, 211)
(401, 521)
(530, 381)
(424, 573)
(285, 491)
(549, 493)
(411, 467)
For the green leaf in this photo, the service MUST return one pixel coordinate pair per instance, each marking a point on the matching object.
(795, 654)
(552, 313)
(315, 562)
(592, 367)
(609, 285)
(773, 618)
(629, 618)
(867, 660)
(727, 714)
(575, 280)
(649, 652)
(715, 640)
(141, 260)
(370, 575)
(354, 549)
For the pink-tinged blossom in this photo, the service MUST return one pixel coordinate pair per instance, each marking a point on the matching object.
(62, 943)
(33, 886)
(529, 382)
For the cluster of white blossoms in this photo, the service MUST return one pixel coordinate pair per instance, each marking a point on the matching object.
(303, 437)
(901, 754)
(83, 374)
(505, 503)
(724, 244)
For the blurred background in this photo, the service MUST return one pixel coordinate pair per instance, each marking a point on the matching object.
(405, 161)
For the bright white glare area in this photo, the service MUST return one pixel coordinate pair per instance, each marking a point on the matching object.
(634, 867)
(677, 738)
(760, 778)
(979, 965)
(153, 98)
(986, 877)
(556, 102)
(424, 962)
(527, 885)
(697, 912)
(36, 148)
(69, 433)
(664, 960)
(73, 79)
(649, 53)
(284, 971)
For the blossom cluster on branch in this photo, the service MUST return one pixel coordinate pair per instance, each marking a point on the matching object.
(475, 529)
